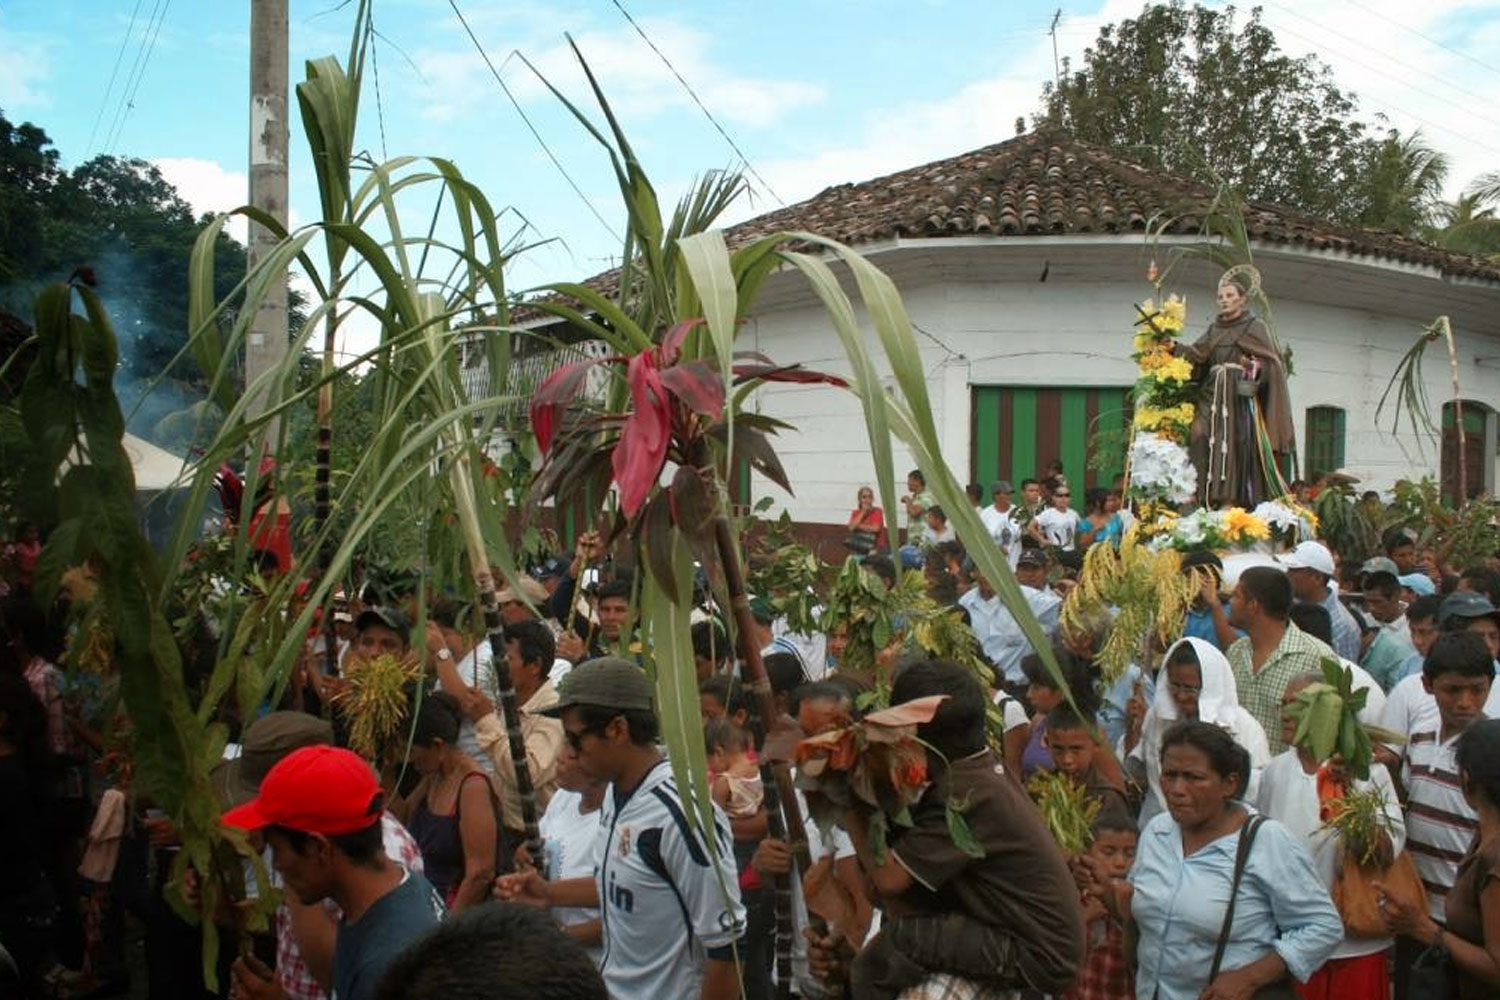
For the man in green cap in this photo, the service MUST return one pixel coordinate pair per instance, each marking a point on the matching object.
(669, 899)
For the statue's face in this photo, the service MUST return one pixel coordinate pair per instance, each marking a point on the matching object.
(1231, 300)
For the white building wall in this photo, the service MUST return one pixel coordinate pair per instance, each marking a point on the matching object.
(1075, 329)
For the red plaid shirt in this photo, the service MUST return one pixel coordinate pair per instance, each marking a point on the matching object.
(291, 971)
(1106, 974)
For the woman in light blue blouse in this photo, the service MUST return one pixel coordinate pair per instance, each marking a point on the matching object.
(1284, 922)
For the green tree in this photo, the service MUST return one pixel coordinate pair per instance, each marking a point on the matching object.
(1184, 89)
(1470, 223)
(1403, 186)
(28, 169)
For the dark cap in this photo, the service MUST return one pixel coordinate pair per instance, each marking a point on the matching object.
(387, 616)
(761, 610)
(1465, 605)
(1032, 557)
(1001, 486)
(265, 742)
(608, 682)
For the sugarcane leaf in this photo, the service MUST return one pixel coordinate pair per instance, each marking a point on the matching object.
(961, 833)
(657, 529)
(61, 551)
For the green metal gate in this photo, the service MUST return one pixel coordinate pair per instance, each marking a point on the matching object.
(1018, 430)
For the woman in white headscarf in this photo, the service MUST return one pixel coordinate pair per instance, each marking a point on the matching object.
(1196, 682)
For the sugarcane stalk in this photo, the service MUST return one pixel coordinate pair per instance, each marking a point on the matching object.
(1461, 473)
(322, 499)
(783, 813)
(461, 476)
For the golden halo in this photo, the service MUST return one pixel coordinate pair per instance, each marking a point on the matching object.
(1246, 269)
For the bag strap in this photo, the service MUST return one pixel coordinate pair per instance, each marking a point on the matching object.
(1241, 858)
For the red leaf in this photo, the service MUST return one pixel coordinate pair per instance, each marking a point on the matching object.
(554, 394)
(786, 373)
(642, 451)
(671, 343)
(909, 713)
(697, 384)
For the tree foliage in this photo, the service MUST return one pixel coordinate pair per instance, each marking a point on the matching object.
(1193, 91)
(1403, 187)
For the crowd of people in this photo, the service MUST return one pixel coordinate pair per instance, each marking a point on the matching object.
(1211, 869)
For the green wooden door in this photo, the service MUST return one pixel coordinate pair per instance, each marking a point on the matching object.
(1018, 430)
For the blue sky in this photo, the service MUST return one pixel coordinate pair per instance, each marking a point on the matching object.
(817, 92)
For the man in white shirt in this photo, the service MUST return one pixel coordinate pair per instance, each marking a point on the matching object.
(1000, 521)
(669, 900)
(999, 635)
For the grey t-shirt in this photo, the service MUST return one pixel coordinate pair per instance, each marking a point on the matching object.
(365, 947)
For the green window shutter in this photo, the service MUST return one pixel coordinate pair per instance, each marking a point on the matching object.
(1325, 440)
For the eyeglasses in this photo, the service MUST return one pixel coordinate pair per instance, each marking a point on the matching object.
(1062, 494)
(1184, 689)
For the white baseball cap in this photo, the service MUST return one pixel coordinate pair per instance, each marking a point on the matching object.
(1310, 555)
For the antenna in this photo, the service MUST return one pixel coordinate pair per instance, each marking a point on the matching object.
(1056, 71)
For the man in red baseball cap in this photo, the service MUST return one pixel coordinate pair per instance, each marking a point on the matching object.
(320, 809)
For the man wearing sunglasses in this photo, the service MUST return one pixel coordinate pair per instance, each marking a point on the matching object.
(669, 899)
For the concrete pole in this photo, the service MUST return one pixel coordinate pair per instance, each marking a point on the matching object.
(266, 345)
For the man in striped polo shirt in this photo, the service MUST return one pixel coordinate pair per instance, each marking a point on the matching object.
(1440, 825)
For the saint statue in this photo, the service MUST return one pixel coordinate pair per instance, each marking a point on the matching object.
(1242, 424)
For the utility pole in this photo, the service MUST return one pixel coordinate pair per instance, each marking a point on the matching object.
(1056, 70)
(267, 343)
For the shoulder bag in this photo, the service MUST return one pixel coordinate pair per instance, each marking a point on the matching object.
(1273, 991)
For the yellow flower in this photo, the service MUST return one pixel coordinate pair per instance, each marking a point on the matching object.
(1174, 313)
(1172, 369)
(1240, 524)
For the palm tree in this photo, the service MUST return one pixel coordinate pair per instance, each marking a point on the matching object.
(1470, 222)
(1404, 184)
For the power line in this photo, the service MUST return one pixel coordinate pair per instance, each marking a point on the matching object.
(114, 122)
(532, 128)
(375, 67)
(1427, 38)
(1375, 69)
(109, 87)
(1317, 45)
(701, 106)
(134, 86)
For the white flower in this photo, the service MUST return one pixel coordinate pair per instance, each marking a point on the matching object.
(1160, 470)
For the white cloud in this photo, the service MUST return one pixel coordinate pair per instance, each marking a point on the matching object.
(639, 84)
(24, 67)
(209, 186)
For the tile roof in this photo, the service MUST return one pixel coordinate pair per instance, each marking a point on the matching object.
(1047, 184)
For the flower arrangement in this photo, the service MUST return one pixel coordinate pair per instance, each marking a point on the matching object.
(1215, 530)
(1288, 520)
(1160, 471)
(1162, 384)
(878, 767)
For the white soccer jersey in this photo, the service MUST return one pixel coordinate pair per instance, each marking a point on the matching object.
(666, 904)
